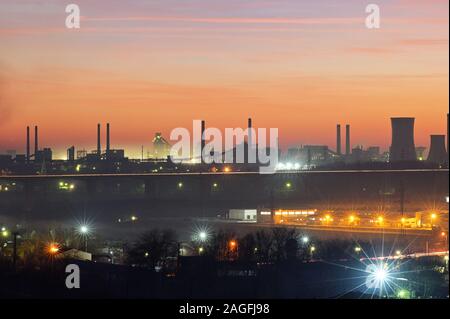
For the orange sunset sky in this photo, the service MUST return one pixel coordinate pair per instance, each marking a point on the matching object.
(150, 66)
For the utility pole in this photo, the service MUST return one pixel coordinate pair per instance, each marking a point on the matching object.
(15, 234)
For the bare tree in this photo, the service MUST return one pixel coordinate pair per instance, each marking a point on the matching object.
(152, 248)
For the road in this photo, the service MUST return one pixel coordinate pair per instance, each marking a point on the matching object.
(365, 230)
(219, 173)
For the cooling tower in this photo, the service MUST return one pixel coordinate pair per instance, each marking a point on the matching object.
(437, 154)
(402, 146)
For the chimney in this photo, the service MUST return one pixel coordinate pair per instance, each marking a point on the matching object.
(250, 136)
(338, 140)
(36, 141)
(99, 145)
(202, 145)
(347, 139)
(107, 138)
(28, 144)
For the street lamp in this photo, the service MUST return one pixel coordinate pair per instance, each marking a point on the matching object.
(433, 217)
(203, 236)
(84, 231)
(53, 249)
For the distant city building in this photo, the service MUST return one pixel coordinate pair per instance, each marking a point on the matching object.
(12, 153)
(161, 148)
(44, 155)
(373, 153)
(71, 154)
(420, 153)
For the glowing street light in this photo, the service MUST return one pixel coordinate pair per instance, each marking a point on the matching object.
(378, 276)
(305, 239)
(232, 244)
(288, 185)
(358, 249)
(203, 236)
(53, 248)
(380, 220)
(201, 250)
(134, 218)
(180, 185)
(84, 229)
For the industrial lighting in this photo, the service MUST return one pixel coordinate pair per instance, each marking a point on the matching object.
(233, 244)
(134, 218)
(288, 185)
(5, 233)
(53, 248)
(357, 249)
(398, 252)
(305, 239)
(403, 294)
(433, 216)
(202, 236)
(180, 185)
(84, 229)
(200, 250)
(378, 275)
(215, 185)
(351, 219)
(227, 169)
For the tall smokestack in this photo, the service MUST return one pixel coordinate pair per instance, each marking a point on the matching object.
(107, 138)
(250, 136)
(28, 144)
(36, 141)
(338, 140)
(347, 139)
(202, 145)
(99, 145)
